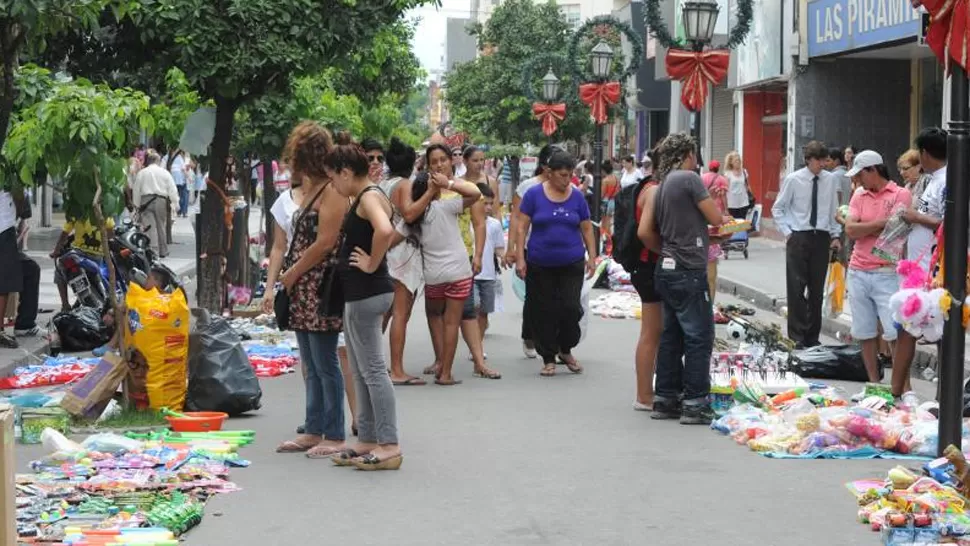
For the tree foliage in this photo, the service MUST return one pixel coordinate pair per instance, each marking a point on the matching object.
(485, 95)
(80, 132)
(176, 105)
(26, 25)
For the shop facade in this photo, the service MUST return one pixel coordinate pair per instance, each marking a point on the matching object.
(867, 82)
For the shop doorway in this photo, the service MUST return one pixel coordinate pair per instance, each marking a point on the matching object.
(772, 160)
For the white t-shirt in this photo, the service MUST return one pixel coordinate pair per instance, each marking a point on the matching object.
(283, 210)
(921, 238)
(630, 178)
(526, 186)
(737, 194)
(460, 170)
(494, 238)
(8, 211)
(443, 249)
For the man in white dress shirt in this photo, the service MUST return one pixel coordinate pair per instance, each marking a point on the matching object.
(154, 194)
(805, 213)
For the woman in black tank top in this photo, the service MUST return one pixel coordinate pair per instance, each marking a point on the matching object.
(368, 292)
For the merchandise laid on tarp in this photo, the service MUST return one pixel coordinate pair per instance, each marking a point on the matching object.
(157, 335)
(136, 488)
(51, 371)
(920, 506)
(810, 423)
(617, 304)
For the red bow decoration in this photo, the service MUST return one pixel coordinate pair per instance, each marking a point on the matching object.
(695, 70)
(550, 115)
(948, 31)
(599, 96)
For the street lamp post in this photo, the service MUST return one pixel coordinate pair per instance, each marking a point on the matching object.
(700, 17)
(601, 59)
(550, 86)
(955, 259)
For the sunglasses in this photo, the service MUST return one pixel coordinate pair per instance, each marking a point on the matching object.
(375, 158)
(456, 154)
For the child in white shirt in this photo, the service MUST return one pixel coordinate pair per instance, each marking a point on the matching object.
(486, 282)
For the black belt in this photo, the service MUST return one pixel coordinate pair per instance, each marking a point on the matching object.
(815, 232)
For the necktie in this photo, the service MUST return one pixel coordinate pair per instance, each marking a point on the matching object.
(813, 218)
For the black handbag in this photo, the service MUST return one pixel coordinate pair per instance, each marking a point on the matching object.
(281, 302)
(331, 291)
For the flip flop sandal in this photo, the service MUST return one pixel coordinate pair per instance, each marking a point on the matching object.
(290, 446)
(430, 370)
(410, 382)
(372, 462)
(573, 367)
(487, 374)
(447, 383)
(548, 370)
(322, 453)
(345, 457)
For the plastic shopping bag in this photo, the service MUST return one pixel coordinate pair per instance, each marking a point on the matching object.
(220, 375)
(835, 290)
(158, 329)
(891, 242)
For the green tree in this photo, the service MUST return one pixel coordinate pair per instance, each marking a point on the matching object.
(177, 103)
(26, 25)
(236, 51)
(485, 95)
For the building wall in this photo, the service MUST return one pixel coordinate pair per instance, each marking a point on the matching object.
(862, 102)
(460, 47)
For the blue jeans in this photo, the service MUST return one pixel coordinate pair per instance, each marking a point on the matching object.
(684, 355)
(324, 384)
(183, 199)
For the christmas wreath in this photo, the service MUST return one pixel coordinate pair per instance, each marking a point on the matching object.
(603, 25)
(658, 27)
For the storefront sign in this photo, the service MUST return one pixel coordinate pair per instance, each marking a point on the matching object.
(836, 26)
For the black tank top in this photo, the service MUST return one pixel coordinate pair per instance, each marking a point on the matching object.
(358, 232)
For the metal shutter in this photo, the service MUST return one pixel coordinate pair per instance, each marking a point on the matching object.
(722, 121)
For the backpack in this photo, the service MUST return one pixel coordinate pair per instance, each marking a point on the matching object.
(627, 247)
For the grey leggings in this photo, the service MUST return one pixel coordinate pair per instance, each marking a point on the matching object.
(376, 408)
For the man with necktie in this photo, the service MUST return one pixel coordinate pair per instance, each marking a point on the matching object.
(804, 212)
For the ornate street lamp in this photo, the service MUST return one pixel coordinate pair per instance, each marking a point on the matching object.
(700, 17)
(550, 86)
(601, 58)
(696, 65)
(602, 87)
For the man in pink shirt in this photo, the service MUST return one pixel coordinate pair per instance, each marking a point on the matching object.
(872, 280)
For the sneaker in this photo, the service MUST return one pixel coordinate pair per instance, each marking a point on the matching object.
(530, 352)
(663, 410)
(637, 406)
(699, 414)
(29, 332)
(8, 342)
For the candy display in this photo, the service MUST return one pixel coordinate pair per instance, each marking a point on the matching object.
(138, 488)
(911, 507)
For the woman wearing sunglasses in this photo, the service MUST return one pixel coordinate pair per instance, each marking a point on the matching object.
(375, 159)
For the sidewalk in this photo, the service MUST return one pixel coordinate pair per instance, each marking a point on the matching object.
(42, 240)
(761, 280)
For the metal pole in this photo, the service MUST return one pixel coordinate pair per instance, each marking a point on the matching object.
(597, 184)
(695, 131)
(955, 259)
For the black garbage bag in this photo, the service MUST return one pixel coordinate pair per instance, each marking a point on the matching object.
(220, 376)
(842, 362)
(81, 329)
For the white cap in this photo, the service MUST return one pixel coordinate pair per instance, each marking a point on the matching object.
(862, 160)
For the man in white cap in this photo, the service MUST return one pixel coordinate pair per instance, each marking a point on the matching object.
(872, 279)
(804, 211)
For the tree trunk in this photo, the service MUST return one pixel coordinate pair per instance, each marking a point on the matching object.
(9, 47)
(211, 293)
(269, 197)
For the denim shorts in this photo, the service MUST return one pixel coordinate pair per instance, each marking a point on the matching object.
(485, 292)
(869, 293)
(469, 310)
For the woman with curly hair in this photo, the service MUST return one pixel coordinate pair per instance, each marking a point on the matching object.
(316, 227)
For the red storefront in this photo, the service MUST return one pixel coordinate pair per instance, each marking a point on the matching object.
(765, 139)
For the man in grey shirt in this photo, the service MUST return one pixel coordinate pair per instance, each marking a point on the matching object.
(678, 220)
(804, 211)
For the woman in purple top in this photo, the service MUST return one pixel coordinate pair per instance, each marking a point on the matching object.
(560, 250)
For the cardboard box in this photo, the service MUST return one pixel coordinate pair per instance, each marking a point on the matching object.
(86, 397)
(8, 498)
